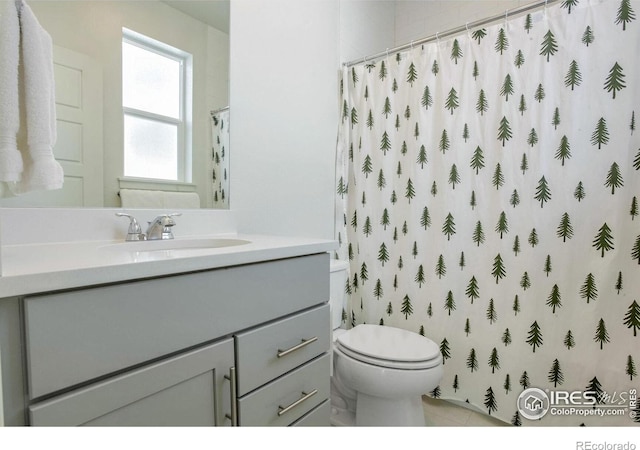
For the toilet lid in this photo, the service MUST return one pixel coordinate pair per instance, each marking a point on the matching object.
(389, 346)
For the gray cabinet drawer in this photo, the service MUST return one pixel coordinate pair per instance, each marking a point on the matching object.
(296, 339)
(186, 390)
(74, 337)
(318, 417)
(261, 407)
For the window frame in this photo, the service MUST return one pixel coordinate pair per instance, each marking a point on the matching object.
(184, 122)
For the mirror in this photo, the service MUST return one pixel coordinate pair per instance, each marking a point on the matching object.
(87, 37)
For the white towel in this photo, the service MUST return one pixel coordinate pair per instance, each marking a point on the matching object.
(10, 158)
(41, 170)
(141, 198)
(181, 200)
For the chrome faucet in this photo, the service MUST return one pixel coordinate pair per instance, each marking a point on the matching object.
(160, 227)
(134, 233)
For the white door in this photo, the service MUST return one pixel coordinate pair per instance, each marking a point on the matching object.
(79, 146)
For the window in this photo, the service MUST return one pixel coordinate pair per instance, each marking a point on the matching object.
(156, 100)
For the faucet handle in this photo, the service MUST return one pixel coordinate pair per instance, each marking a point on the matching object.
(134, 233)
(166, 220)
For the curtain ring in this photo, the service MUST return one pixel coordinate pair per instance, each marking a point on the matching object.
(437, 39)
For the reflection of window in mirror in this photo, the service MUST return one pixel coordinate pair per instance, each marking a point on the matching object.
(156, 87)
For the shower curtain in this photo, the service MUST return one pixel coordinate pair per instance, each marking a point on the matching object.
(487, 198)
(220, 158)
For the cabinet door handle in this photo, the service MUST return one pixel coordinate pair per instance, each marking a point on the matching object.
(233, 391)
(285, 409)
(302, 344)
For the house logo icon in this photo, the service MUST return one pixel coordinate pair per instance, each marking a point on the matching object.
(533, 403)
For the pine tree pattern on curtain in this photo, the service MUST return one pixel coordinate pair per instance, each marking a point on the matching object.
(220, 158)
(487, 191)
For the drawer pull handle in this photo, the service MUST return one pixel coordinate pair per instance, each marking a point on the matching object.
(302, 344)
(305, 396)
(233, 394)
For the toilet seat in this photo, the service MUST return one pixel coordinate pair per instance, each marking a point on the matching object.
(390, 347)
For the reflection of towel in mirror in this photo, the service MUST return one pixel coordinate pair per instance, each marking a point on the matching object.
(140, 198)
(41, 170)
(27, 102)
(10, 158)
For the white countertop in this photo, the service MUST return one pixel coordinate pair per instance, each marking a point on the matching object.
(44, 267)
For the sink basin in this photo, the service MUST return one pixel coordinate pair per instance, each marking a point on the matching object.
(174, 244)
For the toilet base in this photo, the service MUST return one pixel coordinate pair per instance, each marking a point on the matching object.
(342, 407)
(341, 417)
(378, 412)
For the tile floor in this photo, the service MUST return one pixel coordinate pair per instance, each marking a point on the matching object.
(442, 413)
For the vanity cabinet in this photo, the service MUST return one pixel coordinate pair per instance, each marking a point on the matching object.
(190, 349)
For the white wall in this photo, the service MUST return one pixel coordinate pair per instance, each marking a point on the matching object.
(285, 69)
(417, 19)
(284, 115)
(366, 27)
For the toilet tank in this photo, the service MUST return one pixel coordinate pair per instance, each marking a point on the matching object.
(337, 296)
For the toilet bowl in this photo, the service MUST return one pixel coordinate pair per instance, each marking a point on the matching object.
(379, 372)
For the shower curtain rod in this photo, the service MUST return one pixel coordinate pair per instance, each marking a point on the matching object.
(216, 111)
(452, 31)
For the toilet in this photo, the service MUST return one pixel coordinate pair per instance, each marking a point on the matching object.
(379, 373)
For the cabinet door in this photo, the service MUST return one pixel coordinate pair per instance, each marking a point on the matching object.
(186, 390)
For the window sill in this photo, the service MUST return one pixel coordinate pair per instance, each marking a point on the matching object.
(155, 184)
